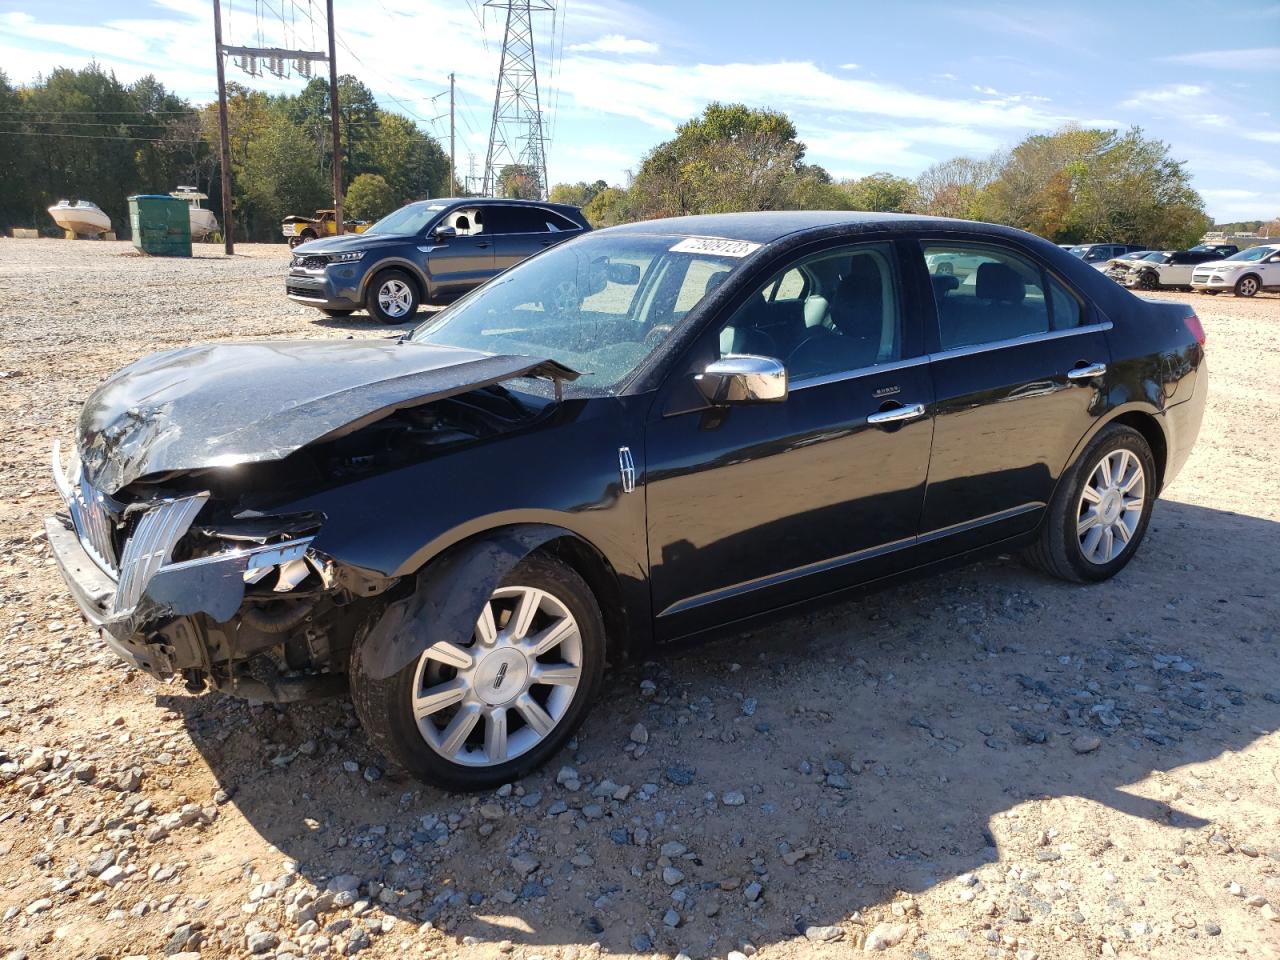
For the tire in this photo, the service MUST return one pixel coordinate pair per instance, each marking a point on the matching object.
(336, 313)
(1149, 281)
(386, 707)
(1247, 286)
(1061, 550)
(392, 297)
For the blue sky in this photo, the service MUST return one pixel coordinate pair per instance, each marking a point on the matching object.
(871, 85)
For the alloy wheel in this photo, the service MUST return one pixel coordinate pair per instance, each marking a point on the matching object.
(1110, 506)
(1247, 287)
(504, 693)
(395, 298)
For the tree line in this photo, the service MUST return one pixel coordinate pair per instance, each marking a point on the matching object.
(82, 134)
(1071, 186)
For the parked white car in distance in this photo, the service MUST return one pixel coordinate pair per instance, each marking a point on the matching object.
(1244, 273)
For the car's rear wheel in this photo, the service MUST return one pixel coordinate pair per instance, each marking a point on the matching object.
(392, 297)
(1246, 286)
(477, 715)
(1100, 511)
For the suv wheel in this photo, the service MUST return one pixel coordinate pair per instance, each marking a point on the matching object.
(1100, 511)
(476, 716)
(392, 297)
(1247, 286)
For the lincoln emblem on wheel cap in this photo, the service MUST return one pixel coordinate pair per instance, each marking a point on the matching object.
(502, 675)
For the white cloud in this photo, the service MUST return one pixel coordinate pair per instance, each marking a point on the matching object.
(850, 66)
(1163, 95)
(1252, 59)
(615, 43)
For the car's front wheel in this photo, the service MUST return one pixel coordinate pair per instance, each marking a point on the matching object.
(392, 297)
(1100, 511)
(1246, 286)
(480, 714)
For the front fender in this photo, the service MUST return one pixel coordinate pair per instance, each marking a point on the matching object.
(398, 263)
(448, 598)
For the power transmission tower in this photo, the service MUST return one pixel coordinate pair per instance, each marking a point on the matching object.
(516, 134)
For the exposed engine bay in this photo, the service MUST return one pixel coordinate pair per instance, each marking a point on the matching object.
(236, 596)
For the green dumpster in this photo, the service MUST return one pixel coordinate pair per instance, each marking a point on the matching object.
(161, 225)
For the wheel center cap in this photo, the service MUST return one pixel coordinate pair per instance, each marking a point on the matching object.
(1111, 503)
(500, 676)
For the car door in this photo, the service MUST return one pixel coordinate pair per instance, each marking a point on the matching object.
(458, 263)
(520, 231)
(1018, 365)
(754, 506)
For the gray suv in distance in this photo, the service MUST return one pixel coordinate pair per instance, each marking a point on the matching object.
(430, 251)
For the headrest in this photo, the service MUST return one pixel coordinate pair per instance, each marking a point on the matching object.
(999, 281)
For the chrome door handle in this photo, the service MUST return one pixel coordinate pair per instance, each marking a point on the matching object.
(911, 411)
(1087, 373)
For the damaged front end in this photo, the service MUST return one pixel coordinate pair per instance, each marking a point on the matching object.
(175, 585)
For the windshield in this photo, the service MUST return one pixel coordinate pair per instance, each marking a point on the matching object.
(408, 220)
(601, 304)
(1079, 251)
(1254, 254)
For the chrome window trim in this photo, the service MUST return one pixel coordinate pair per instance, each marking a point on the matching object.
(965, 351)
(859, 372)
(1101, 327)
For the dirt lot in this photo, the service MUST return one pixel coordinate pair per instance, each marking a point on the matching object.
(985, 764)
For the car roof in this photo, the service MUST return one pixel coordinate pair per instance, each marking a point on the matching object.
(488, 201)
(768, 226)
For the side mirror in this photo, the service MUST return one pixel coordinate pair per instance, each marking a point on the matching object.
(742, 378)
(627, 274)
(444, 233)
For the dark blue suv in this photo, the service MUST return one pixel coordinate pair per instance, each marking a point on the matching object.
(431, 251)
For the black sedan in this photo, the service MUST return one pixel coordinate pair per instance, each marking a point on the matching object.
(431, 251)
(640, 436)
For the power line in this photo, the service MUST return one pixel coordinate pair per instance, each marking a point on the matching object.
(87, 136)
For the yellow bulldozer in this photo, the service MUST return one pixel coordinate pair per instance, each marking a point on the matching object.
(324, 224)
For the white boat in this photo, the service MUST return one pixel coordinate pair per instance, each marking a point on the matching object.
(203, 223)
(80, 217)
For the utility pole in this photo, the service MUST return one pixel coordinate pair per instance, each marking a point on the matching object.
(248, 59)
(333, 109)
(452, 141)
(516, 134)
(224, 138)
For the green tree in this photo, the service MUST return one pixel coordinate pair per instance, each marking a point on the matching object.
(414, 164)
(732, 157)
(955, 188)
(882, 193)
(369, 197)
(280, 175)
(519, 182)
(608, 208)
(576, 194)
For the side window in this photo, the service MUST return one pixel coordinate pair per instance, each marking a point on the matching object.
(701, 277)
(984, 294)
(790, 286)
(843, 314)
(1066, 308)
(515, 219)
(555, 223)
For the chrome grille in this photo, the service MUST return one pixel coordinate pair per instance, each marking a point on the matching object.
(92, 515)
(151, 546)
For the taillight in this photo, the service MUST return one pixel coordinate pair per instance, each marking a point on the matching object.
(1197, 331)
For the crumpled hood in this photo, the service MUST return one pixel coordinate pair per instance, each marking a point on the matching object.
(226, 404)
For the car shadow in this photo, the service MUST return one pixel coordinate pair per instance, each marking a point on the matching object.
(881, 746)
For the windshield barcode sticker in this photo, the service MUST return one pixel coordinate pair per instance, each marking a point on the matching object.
(725, 248)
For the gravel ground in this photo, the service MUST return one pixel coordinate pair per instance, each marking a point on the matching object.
(987, 763)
